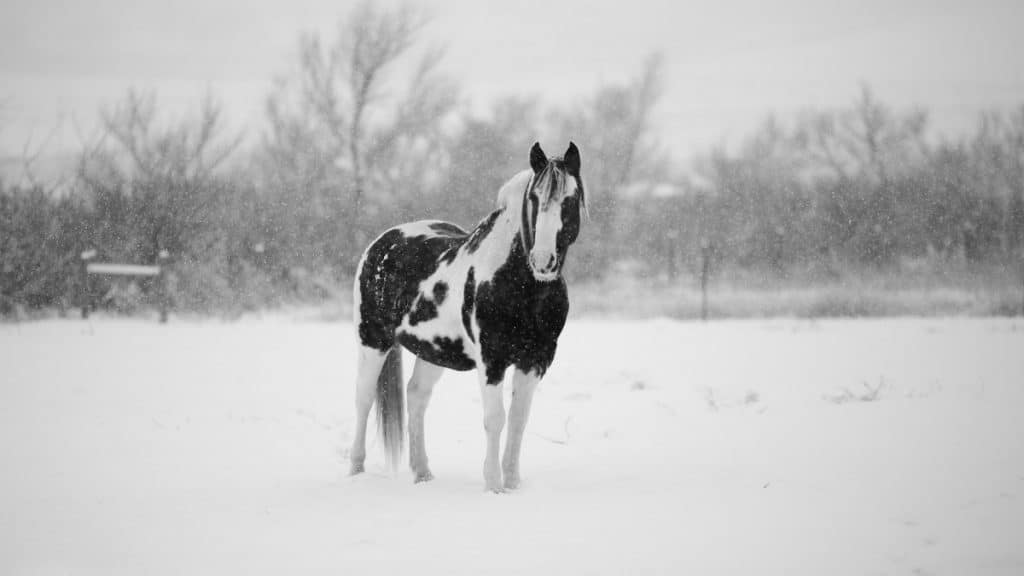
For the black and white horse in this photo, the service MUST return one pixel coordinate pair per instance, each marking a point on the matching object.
(489, 299)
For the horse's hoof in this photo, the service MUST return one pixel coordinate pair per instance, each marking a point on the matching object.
(357, 468)
(496, 490)
(423, 477)
(511, 483)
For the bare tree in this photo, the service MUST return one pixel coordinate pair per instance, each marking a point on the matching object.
(620, 149)
(32, 152)
(864, 155)
(154, 184)
(865, 140)
(189, 151)
(342, 120)
(998, 152)
(485, 151)
(30, 155)
(616, 125)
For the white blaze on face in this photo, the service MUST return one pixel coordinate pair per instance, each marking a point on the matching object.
(544, 253)
(550, 190)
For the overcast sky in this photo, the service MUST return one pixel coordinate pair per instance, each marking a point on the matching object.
(728, 63)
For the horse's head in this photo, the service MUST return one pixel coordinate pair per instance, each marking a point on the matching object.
(552, 204)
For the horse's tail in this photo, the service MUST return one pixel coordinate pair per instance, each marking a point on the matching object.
(391, 407)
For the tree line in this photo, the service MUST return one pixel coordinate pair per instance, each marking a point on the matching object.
(837, 193)
(366, 132)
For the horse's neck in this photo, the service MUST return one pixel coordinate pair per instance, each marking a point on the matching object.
(502, 245)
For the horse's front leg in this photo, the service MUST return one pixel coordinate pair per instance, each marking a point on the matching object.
(494, 422)
(523, 385)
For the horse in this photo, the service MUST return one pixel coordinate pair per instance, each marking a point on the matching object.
(488, 300)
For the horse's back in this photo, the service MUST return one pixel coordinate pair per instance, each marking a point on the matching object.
(391, 270)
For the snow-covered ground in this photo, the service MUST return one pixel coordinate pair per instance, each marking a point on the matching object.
(746, 447)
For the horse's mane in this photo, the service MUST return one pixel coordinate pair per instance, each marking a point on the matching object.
(510, 196)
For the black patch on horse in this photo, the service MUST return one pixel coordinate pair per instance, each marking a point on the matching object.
(389, 280)
(440, 292)
(570, 228)
(446, 229)
(442, 351)
(520, 318)
(468, 300)
(481, 231)
(425, 310)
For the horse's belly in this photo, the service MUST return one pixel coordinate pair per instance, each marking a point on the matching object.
(448, 351)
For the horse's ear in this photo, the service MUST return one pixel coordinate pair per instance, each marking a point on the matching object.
(572, 159)
(538, 160)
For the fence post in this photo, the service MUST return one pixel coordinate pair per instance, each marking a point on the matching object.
(165, 297)
(705, 269)
(85, 294)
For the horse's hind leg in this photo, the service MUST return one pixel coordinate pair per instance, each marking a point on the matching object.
(424, 376)
(370, 363)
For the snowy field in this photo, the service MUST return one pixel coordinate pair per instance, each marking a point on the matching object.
(746, 447)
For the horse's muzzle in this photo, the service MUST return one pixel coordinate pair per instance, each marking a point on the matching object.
(544, 265)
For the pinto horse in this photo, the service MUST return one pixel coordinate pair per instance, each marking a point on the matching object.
(488, 299)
